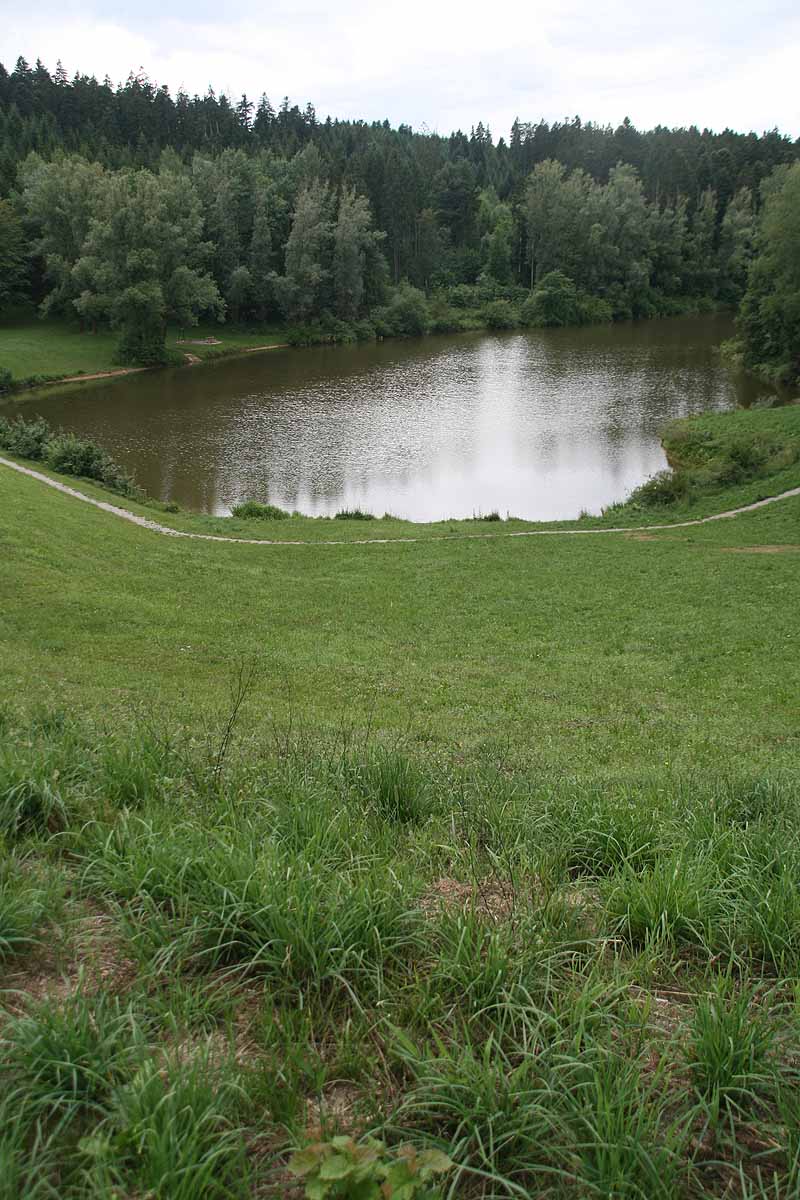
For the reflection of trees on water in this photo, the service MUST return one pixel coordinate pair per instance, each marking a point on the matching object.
(541, 424)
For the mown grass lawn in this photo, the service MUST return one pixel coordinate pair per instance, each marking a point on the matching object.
(56, 348)
(584, 653)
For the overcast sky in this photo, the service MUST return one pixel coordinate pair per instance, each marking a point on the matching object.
(445, 64)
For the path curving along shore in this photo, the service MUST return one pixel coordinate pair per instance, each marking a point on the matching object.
(146, 523)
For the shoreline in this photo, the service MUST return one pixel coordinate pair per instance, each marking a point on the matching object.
(473, 325)
(125, 514)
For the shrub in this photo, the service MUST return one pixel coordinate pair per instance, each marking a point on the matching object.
(70, 455)
(463, 296)
(25, 438)
(593, 310)
(364, 331)
(251, 510)
(353, 514)
(667, 487)
(6, 380)
(407, 314)
(447, 323)
(499, 314)
(554, 301)
(557, 301)
(65, 453)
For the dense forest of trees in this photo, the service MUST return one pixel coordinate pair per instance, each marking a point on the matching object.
(130, 207)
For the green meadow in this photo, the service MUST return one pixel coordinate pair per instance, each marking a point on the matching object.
(460, 866)
(35, 350)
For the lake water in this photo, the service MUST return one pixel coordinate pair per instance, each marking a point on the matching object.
(540, 424)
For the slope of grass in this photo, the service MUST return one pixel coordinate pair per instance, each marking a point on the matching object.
(481, 847)
(581, 652)
(563, 987)
(56, 348)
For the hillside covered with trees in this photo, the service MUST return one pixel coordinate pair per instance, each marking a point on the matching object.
(130, 208)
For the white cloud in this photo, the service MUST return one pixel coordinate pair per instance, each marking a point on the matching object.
(451, 64)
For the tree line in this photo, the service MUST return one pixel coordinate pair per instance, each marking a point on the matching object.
(131, 208)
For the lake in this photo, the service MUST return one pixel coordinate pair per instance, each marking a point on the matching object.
(540, 424)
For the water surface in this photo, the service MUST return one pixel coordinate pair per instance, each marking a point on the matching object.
(541, 424)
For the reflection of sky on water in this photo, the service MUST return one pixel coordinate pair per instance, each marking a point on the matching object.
(539, 424)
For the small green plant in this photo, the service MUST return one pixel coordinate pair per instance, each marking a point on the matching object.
(251, 510)
(354, 514)
(27, 1152)
(344, 1169)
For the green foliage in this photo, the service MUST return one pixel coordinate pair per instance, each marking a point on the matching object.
(676, 901)
(64, 453)
(406, 315)
(554, 301)
(301, 217)
(141, 263)
(13, 258)
(663, 488)
(353, 514)
(6, 380)
(343, 1169)
(251, 510)
(27, 438)
(707, 456)
(769, 316)
(499, 314)
(28, 1156)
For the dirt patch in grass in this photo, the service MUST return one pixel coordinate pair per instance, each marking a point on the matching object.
(92, 959)
(760, 549)
(490, 898)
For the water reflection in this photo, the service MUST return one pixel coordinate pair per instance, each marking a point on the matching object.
(541, 424)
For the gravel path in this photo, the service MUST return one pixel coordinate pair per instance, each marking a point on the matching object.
(145, 523)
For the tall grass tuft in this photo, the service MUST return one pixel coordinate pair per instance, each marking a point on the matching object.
(172, 1130)
(731, 1049)
(30, 895)
(69, 1057)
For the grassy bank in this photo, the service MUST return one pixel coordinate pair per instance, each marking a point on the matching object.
(485, 847)
(37, 351)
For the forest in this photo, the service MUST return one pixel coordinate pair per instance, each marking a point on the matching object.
(130, 209)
